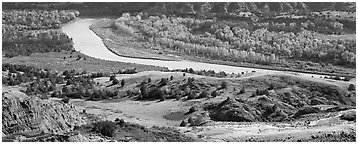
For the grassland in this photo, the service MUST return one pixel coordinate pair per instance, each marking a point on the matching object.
(65, 60)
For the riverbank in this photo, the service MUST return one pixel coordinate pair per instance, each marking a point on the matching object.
(65, 60)
(127, 46)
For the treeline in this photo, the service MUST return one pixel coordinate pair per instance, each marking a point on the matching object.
(210, 73)
(19, 20)
(207, 38)
(32, 31)
(27, 42)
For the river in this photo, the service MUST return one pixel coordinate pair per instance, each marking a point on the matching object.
(88, 43)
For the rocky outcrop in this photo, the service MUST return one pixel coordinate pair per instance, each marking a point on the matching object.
(232, 110)
(27, 114)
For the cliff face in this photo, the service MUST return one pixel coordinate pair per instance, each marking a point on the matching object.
(25, 114)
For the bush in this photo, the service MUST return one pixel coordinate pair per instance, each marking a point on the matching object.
(351, 87)
(204, 94)
(161, 95)
(224, 84)
(163, 82)
(336, 78)
(183, 123)
(177, 97)
(193, 109)
(190, 120)
(65, 100)
(242, 91)
(214, 93)
(271, 87)
(123, 83)
(112, 77)
(349, 116)
(115, 81)
(106, 128)
(193, 95)
(143, 92)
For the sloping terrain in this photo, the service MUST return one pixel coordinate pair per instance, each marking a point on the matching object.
(25, 115)
(291, 104)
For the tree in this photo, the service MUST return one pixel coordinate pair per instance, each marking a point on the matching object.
(144, 91)
(351, 87)
(183, 123)
(65, 100)
(123, 83)
(161, 95)
(116, 81)
(214, 93)
(112, 77)
(193, 109)
(271, 87)
(242, 90)
(224, 84)
(163, 82)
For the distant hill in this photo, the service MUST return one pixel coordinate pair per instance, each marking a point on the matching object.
(187, 8)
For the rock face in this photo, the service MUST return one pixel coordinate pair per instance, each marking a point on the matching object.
(231, 110)
(25, 114)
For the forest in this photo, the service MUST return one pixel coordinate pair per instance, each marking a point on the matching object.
(29, 31)
(237, 43)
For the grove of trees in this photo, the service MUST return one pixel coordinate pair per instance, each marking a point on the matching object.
(236, 43)
(30, 31)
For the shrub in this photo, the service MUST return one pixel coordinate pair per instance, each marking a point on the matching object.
(123, 83)
(336, 78)
(193, 109)
(193, 95)
(242, 91)
(161, 95)
(178, 97)
(129, 93)
(183, 74)
(271, 87)
(112, 77)
(149, 80)
(214, 93)
(190, 120)
(171, 78)
(65, 100)
(204, 94)
(224, 84)
(143, 91)
(349, 116)
(163, 82)
(183, 123)
(115, 81)
(351, 87)
(106, 128)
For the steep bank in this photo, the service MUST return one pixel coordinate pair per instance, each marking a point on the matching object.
(27, 114)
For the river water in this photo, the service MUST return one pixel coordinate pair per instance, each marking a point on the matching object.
(88, 43)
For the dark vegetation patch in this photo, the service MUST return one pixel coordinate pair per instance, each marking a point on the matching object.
(65, 60)
(129, 132)
(30, 31)
(180, 115)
